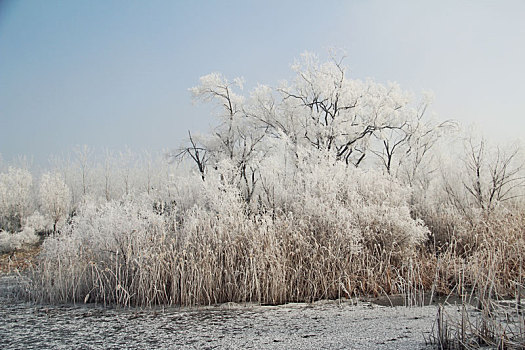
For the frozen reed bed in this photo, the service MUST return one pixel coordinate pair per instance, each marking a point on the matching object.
(482, 322)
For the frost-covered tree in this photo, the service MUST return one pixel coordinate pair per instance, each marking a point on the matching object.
(237, 138)
(403, 149)
(127, 167)
(344, 116)
(55, 198)
(322, 109)
(107, 170)
(83, 155)
(490, 176)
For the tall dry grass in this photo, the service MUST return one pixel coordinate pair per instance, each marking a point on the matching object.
(484, 320)
(486, 269)
(212, 260)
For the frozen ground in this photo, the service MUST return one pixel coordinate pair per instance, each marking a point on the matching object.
(322, 325)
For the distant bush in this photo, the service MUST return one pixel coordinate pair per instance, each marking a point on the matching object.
(38, 222)
(13, 241)
(15, 195)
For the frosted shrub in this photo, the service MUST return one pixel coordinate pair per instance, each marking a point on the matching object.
(38, 222)
(14, 241)
(105, 253)
(15, 192)
(365, 207)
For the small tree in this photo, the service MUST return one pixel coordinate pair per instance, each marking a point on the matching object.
(107, 170)
(237, 138)
(127, 169)
(492, 177)
(83, 158)
(55, 198)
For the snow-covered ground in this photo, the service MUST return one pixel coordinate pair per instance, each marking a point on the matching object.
(321, 325)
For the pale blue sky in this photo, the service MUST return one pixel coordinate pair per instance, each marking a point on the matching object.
(116, 73)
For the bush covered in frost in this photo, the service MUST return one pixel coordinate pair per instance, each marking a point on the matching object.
(15, 195)
(14, 241)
